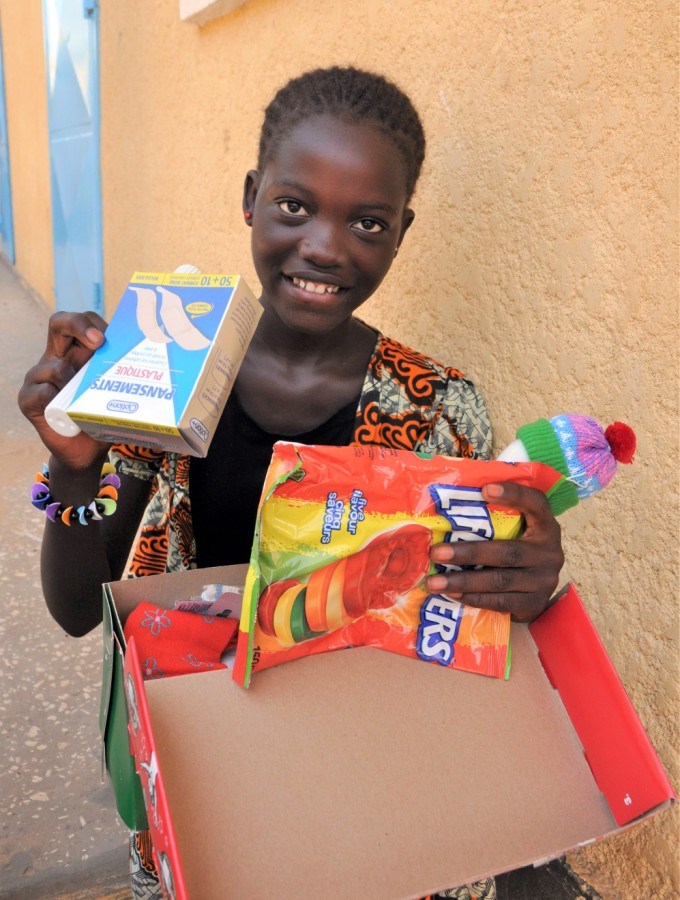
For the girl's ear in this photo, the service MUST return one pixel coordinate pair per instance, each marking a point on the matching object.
(406, 222)
(250, 188)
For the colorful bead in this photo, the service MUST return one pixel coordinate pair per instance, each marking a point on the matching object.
(109, 506)
(51, 510)
(40, 495)
(104, 504)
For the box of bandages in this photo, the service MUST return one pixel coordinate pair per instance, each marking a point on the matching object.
(170, 358)
(363, 773)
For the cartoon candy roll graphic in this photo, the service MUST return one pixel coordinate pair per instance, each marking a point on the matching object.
(339, 593)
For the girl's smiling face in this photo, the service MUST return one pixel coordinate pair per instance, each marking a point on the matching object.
(328, 214)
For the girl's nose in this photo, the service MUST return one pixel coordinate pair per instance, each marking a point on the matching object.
(322, 245)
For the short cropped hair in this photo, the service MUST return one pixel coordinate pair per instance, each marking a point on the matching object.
(357, 97)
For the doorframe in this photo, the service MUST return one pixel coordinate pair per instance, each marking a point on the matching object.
(90, 11)
(6, 219)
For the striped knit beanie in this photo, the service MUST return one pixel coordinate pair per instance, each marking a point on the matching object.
(581, 450)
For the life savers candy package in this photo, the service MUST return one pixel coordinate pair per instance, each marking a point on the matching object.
(172, 351)
(341, 551)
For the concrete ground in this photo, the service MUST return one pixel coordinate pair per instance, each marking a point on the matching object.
(59, 833)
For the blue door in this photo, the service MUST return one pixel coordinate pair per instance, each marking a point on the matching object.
(6, 227)
(71, 50)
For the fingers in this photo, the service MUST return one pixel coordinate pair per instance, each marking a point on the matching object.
(522, 593)
(493, 580)
(72, 338)
(530, 502)
(505, 554)
(41, 385)
(522, 607)
(75, 334)
(54, 370)
(511, 576)
(34, 397)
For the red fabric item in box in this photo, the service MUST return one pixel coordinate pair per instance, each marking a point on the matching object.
(174, 642)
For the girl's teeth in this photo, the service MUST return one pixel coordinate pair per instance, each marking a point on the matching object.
(316, 287)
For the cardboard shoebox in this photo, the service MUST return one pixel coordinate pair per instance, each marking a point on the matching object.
(172, 351)
(364, 773)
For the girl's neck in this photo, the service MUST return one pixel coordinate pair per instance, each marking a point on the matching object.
(276, 338)
(290, 383)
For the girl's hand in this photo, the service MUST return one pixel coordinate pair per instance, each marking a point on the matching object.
(72, 338)
(519, 576)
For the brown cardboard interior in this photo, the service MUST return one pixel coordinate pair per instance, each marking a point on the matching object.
(362, 773)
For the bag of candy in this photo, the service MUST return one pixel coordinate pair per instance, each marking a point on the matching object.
(342, 548)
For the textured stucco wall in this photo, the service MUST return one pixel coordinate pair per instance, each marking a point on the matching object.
(542, 261)
(26, 102)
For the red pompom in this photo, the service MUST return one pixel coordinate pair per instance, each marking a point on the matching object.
(622, 441)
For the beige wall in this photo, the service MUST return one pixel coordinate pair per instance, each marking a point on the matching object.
(26, 100)
(543, 258)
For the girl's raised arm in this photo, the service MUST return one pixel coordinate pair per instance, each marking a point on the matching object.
(76, 558)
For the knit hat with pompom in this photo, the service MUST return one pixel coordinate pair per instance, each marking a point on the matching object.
(581, 450)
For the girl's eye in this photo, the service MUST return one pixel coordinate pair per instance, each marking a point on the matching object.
(292, 208)
(369, 226)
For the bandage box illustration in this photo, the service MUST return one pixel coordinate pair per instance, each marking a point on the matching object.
(170, 358)
(367, 774)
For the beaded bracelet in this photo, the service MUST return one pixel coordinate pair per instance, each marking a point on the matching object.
(103, 504)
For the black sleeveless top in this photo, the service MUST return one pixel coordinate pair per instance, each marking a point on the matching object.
(231, 478)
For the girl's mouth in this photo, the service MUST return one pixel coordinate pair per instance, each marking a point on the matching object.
(315, 287)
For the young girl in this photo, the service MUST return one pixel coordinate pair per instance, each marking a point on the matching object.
(328, 205)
